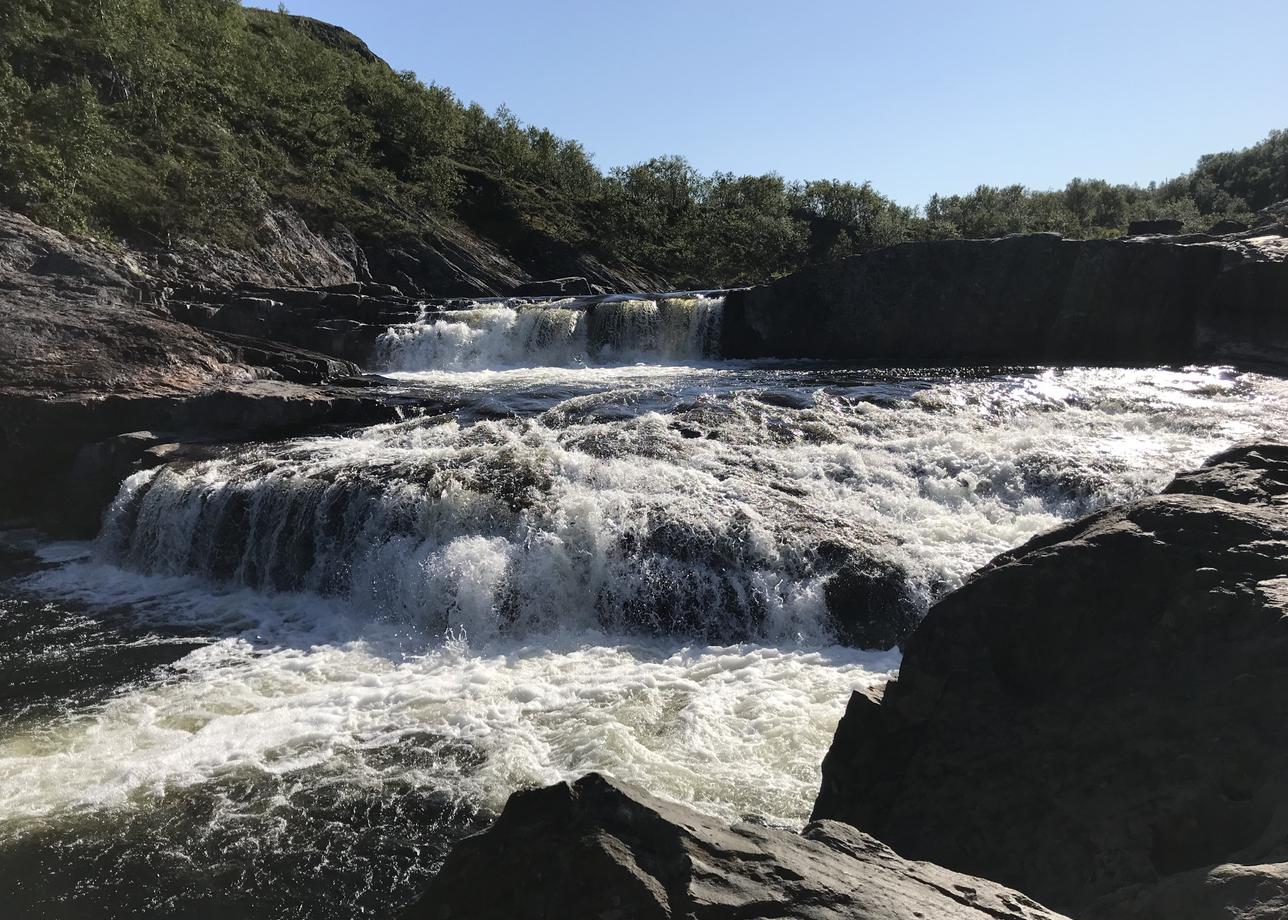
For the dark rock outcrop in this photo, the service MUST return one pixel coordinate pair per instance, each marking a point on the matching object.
(1035, 299)
(598, 850)
(1097, 718)
(1162, 226)
(1222, 227)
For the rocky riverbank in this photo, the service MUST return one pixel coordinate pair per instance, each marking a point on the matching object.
(90, 352)
(1095, 719)
(1035, 299)
(599, 849)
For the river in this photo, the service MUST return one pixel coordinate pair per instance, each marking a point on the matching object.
(285, 678)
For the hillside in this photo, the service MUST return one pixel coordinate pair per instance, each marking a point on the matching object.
(247, 143)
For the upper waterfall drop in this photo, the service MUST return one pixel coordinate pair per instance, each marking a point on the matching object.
(564, 333)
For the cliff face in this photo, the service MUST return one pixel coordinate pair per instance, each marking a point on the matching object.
(1096, 718)
(1035, 299)
(494, 255)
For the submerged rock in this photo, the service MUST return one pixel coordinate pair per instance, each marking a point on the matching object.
(1097, 717)
(598, 849)
(871, 603)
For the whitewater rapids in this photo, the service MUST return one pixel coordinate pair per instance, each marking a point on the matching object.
(314, 664)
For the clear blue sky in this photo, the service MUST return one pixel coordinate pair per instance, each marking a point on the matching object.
(916, 97)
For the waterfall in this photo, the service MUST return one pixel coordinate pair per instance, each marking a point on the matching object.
(494, 529)
(721, 511)
(564, 333)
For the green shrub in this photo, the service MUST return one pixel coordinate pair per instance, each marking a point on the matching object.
(153, 119)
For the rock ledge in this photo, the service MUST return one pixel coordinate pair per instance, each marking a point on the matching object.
(595, 849)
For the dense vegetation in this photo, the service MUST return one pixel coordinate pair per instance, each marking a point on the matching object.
(150, 119)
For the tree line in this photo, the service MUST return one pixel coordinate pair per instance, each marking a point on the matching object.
(163, 118)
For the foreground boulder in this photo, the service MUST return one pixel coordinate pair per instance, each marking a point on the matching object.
(1098, 717)
(1035, 299)
(598, 850)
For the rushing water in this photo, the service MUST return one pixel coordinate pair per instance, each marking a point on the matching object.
(284, 679)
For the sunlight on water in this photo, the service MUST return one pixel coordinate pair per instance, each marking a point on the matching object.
(580, 562)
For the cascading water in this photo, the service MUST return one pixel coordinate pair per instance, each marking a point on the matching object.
(563, 333)
(296, 673)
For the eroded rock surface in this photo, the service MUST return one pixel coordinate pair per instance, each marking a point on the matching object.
(595, 849)
(88, 353)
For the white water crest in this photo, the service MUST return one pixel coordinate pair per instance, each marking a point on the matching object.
(564, 569)
(558, 334)
(718, 520)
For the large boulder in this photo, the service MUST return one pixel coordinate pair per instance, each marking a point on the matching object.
(1097, 718)
(871, 603)
(595, 849)
(1035, 299)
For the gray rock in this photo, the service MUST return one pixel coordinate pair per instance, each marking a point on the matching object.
(595, 849)
(85, 356)
(1225, 892)
(1100, 710)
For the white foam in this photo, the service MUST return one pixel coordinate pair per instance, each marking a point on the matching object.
(566, 521)
(560, 334)
(732, 729)
(510, 532)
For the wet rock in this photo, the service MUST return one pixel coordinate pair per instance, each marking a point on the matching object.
(872, 604)
(599, 849)
(53, 472)
(100, 467)
(1096, 717)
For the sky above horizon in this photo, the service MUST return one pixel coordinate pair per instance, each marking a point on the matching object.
(916, 97)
